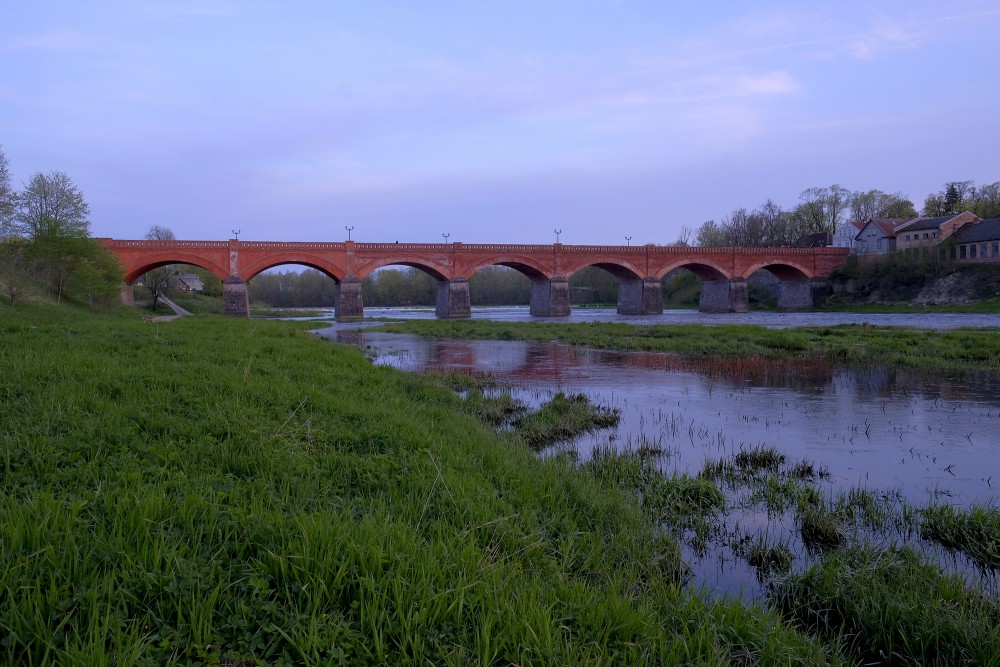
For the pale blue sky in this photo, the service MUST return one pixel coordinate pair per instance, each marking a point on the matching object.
(492, 121)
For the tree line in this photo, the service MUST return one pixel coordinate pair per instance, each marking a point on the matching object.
(405, 286)
(45, 243)
(825, 210)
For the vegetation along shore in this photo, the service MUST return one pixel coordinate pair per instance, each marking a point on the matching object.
(958, 350)
(234, 492)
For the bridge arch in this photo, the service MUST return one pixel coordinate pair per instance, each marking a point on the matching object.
(783, 270)
(155, 260)
(280, 259)
(622, 270)
(534, 270)
(433, 268)
(704, 270)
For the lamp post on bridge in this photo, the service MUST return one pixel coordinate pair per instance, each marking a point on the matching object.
(628, 240)
(557, 232)
(236, 233)
(349, 230)
(445, 237)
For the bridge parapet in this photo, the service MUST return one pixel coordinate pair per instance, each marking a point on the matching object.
(634, 250)
(163, 245)
(506, 247)
(290, 245)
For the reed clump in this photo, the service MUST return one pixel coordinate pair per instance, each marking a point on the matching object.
(891, 607)
(974, 532)
(563, 417)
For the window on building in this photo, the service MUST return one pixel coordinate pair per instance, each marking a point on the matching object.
(961, 252)
(953, 251)
(879, 244)
(907, 237)
(925, 234)
(983, 250)
(996, 249)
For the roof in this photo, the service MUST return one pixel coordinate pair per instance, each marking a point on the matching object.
(191, 280)
(987, 230)
(931, 223)
(813, 240)
(887, 226)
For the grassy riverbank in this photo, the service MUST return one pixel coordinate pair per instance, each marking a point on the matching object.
(958, 350)
(218, 491)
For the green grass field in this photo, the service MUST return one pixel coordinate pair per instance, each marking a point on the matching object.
(214, 491)
(218, 491)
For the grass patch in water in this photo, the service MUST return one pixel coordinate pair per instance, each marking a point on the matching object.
(891, 607)
(494, 409)
(562, 418)
(974, 532)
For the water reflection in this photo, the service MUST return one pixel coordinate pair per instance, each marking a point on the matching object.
(886, 427)
(921, 436)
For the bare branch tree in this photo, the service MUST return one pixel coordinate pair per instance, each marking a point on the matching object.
(162, 279)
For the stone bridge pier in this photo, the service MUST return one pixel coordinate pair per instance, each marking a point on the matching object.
(550, 298)
(347, 301)
(453, 299)
(802, 294)
(235, 301)
(724, 296)
(640, 297)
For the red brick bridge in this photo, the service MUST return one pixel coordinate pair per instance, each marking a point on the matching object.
(803, 272)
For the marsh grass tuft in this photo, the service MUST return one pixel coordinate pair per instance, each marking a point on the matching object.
(975, 533)
(889, 606)
(561, 418)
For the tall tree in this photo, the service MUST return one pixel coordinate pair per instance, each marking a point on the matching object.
(986, 203)
(877, 204)
(775, 225)
(710, 235)
(684, 237)
(162, 279)
(7, 198)
(957, 196)
(17, 269)
(827, 206)
(97, 276)
(51, 206)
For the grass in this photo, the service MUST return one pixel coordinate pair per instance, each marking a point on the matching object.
(957, 349)
(890, 607)
(974, 532)
(561, 418)
(221, 491)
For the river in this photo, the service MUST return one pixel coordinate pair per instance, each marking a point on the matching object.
(923, 437)
(770, 319)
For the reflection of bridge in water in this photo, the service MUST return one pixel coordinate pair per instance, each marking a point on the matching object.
(803, 272)
(526, 363)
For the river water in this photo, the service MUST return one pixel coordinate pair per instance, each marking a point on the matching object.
(770, 319)
(928, 438)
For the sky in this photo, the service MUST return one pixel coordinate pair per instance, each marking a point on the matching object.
(489, 121)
